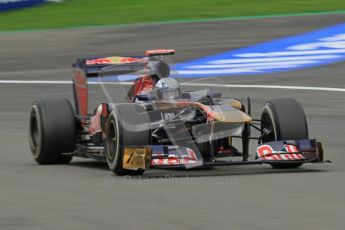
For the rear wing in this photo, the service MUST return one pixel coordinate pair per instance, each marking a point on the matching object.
(85, 68)
(159, 52)
(93, 68)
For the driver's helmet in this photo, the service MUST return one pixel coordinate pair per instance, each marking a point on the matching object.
(168, 88)
(159, 69)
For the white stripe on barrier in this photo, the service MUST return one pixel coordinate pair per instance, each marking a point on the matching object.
(271, 59)
(292, 53)
(253, 64)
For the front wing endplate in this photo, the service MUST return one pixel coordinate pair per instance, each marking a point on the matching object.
(136, 158)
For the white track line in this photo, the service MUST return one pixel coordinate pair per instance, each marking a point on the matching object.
(33, 82)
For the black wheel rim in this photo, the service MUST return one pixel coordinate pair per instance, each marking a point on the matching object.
(34, 131)
(112, 141)
(267, 130)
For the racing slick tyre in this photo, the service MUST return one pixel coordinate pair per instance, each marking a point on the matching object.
(283, 119)
(52, 128)
(127, 126)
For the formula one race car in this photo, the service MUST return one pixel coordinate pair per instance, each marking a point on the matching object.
(163, 126)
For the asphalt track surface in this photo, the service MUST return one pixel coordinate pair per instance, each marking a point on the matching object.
(85, 194)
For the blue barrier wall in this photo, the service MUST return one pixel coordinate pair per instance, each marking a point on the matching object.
(17, 4)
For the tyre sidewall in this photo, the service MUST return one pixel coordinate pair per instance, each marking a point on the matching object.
(113, 162)
(36, 145)
(268, 110)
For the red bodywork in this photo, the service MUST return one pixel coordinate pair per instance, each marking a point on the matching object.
(81, 91)
(141, 85)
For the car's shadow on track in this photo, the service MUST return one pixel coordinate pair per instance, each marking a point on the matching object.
(216, 172)
(98, 165)
(205, 172)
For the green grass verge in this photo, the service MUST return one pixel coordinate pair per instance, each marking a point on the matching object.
(76, 13)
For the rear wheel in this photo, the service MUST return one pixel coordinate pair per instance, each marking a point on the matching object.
(283, 119)
(127, 126)
(52, 131)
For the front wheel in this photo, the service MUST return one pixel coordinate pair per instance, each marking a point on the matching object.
(127, 125)
(283, 119)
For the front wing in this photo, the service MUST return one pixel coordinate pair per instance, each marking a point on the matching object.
(168, 156)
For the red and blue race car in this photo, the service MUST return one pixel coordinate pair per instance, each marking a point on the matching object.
(162, 125)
